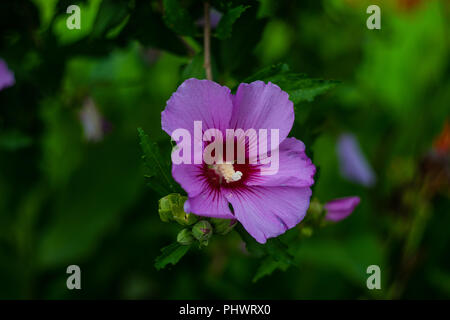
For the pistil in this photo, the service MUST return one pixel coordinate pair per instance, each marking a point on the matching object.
(226, 171)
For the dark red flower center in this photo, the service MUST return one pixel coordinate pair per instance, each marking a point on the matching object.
(230, 173)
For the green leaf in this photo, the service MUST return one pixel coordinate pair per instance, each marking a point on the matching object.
(267, 72)
(194, 69)
(223, 5)
(273, 248)
(83, 213)
(268, 266)
(440, 280)
(109, 15)
(178, 18)
(299, 87)
(225, 25)
(170, 254)
(237, 51)
(251, 245)
(155, 165)
(61, 151)
(14, 140)
(279, 251)
(148, 27)
(349, 257)
(275, 253)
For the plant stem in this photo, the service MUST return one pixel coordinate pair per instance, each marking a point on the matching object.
(207, 43)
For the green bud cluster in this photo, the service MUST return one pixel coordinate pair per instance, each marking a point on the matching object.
(171, 208)
(202, 231)
(185, 237)
(223, 226)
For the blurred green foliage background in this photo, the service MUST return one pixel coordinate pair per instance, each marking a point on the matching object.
(72, 190)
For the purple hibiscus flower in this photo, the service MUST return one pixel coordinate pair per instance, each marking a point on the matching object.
(340, 208)
(352, 164)
(6, 76)
(265, 201)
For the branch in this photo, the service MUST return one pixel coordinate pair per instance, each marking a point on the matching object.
(207, 43)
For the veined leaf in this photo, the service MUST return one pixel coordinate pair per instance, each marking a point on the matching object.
(273, 248)
(170, 254)
(155, 165)
(225, 25)
(109, 15)
(195, 68)
(299, 87)
(268, 266)
(236, 51)
(270, 71)
(178, 18)
(279, 251)
(147, 26)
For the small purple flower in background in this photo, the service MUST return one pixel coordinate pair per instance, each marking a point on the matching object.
(214, 18)
(93, 123)
(150, 55)
(340, 208)
(266, 205)
(352, 162)
(6, 76)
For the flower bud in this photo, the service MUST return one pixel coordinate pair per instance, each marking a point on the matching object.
(306, 232)
(315, 209)
(185, 219)
(171, 209)
(223, 226)
(185, 237)
(202, 231)
(165, 208)
(341, 208)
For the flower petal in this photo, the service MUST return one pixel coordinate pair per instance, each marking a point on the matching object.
(267, 212)
(262, 106)
(198, 100)
(340, 208)
(6, 76)
(353, 164)
(294, 168)
(202, 199)
(209, 203)
(189, 176)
